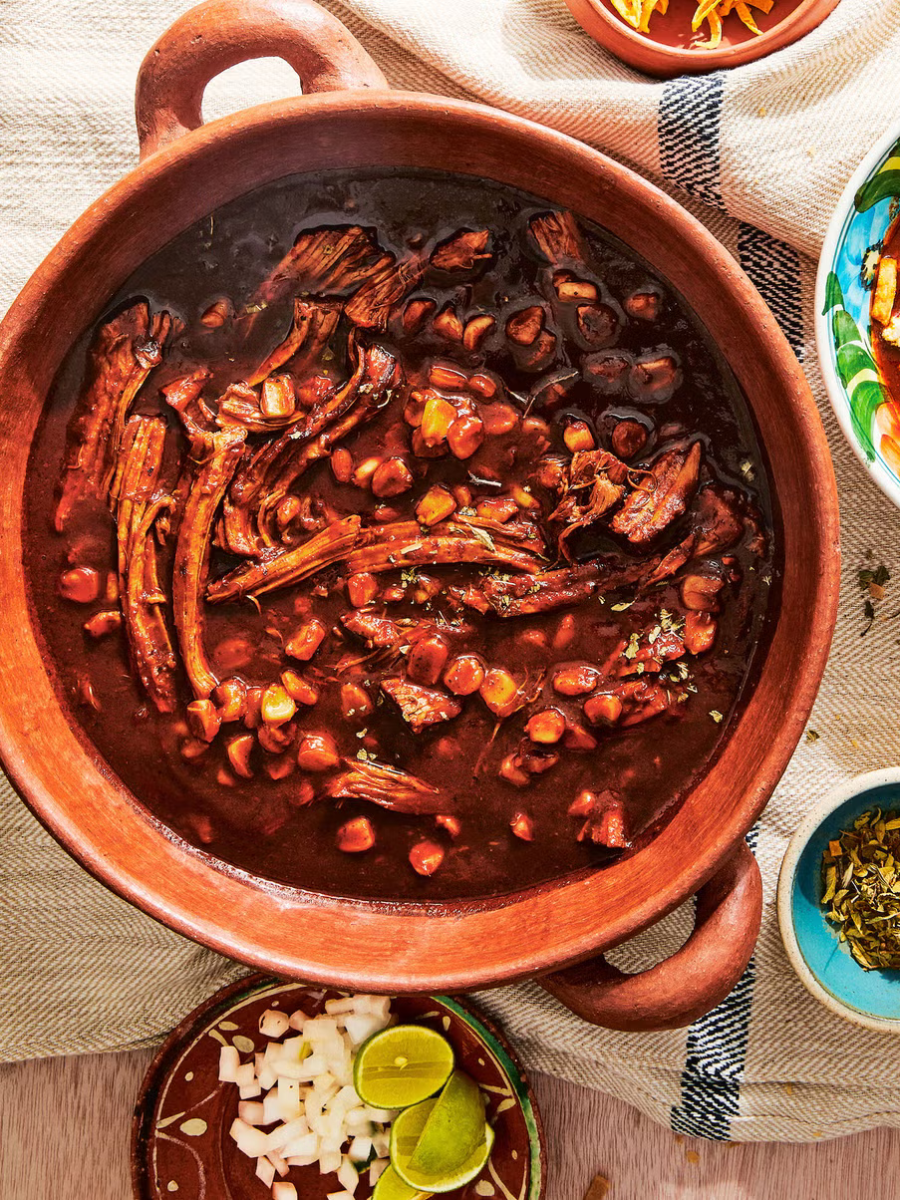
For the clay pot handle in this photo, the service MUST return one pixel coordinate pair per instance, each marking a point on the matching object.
(217, 35)
(694, 980)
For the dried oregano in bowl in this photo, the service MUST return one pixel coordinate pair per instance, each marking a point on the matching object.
(861, 888)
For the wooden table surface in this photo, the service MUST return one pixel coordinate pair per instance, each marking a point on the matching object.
(65, 1124)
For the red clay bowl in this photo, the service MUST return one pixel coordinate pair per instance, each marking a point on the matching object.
(666, 50)
(183, 1114)
(186, 172)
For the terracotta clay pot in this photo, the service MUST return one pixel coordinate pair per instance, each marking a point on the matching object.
(665, 51)
(348, 118)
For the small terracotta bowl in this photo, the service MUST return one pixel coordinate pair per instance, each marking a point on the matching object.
(823, 963)
(180, 1140)
(666, 50)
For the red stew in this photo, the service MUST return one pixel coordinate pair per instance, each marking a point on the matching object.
(400, 554)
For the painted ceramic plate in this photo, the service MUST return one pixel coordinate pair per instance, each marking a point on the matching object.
(180, 1141)
(847, 270)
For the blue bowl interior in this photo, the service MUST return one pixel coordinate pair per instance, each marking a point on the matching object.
(874, 993)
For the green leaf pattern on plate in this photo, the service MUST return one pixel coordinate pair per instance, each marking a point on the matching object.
(883, 185)
(855, 365)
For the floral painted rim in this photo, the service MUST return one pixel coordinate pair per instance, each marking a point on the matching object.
(217, 1018)
(844, 349)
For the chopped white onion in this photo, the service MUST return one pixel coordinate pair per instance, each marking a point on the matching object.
(320, 1029)
(362, 1026)
(345, 1004)
(286, 1133)
(377, 1168)
(229, 1063)
(329, 1161)
(308, 1143)
(273, 1024)
(303, 1160)
(278, 1163)
(304, 1072)
(307, 1103)
(360, 1150)
(378, 1006)
(293, 1049)
(266, 1076)
(381, 1116)
(252, 1112)
(271, 1110)
(346, 1099)
(283, 1190)
(357, 1123)
(265, 1171)
(289, 1103)
(381, 1144)
(250, 1141)
(348, 1175)
(245, 1076)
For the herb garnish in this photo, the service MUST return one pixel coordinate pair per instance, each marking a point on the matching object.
(483, 536)
(861, 888)
(634, 643)
(873, 583)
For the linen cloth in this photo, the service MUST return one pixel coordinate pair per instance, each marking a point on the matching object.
(759, 153)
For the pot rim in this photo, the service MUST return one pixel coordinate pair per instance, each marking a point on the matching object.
(551, 933)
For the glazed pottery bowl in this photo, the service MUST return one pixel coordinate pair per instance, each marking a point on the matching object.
(847, 270)
(823, 963)
(348, 118)
(669, 47)
(183, 1115)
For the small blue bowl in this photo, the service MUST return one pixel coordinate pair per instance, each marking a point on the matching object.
(822, 961)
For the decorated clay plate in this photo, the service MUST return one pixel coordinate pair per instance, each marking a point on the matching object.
(180, 1141)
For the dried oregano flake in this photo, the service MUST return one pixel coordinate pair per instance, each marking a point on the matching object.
(861, 888)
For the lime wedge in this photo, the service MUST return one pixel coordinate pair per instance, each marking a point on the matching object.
(453, 1130)
(391, 1187)
(405, 1133)
(406, 1129)
(402, 1066)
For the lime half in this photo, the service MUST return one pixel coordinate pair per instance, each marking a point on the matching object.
(406, 1130)
(453, 1130)
(391, 1187)
(402, 1066)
